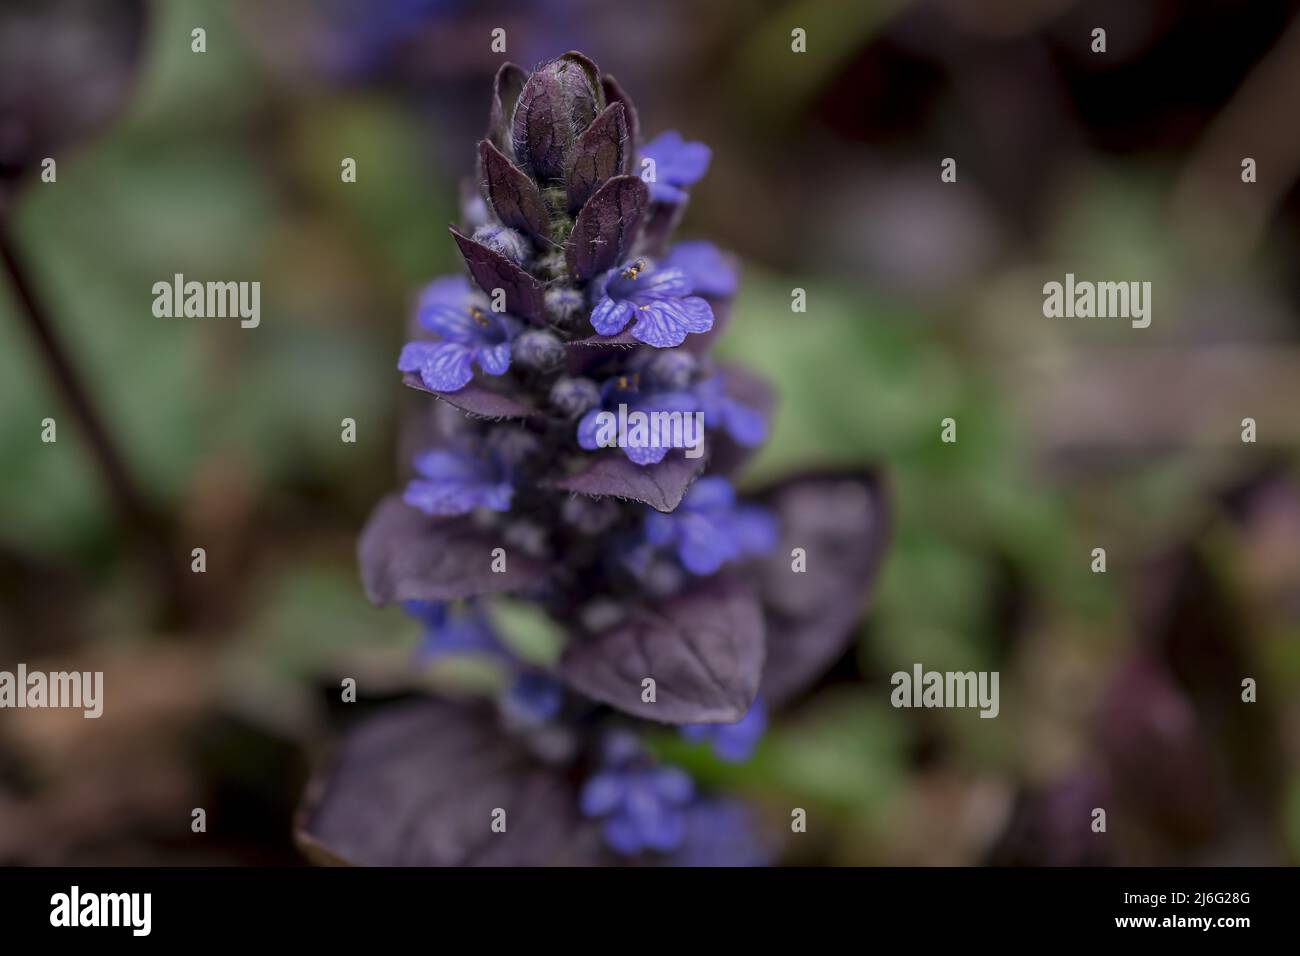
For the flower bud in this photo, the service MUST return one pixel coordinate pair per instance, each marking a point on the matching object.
(504, 241)
(574, 396)
(590, 515)
(538, 349)
(558, 102)
(565, 305)
(670, 369)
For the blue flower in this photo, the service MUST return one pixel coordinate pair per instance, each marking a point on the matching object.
(468, 333)
(451, 631)
(644, 807)
(705, 266)
(659, 299)
(456, 482)
(734, 742)
(745, 425)
(533, 699)
(708, 529)
(625, 390)
(677, 164)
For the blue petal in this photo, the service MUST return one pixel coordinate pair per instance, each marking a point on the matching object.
(447, 367)
(665, 323)
(660, 284)
(602, 793)
(743, 423)
(440, 498)
(702, 546)
(623, 835)
(754, 531)
(673, 784)
(649, 455)
(414, 355)
(610, 317)
(495, 359)
(708, 270)
(659, 529)
(589, 428)
(711, 493)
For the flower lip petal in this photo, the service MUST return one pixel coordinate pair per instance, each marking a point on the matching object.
(447, 367)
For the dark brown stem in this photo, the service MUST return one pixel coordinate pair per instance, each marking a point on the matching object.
(140, 522)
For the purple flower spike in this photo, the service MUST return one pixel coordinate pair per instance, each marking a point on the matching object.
(659, 299)
(677, 164)
(457, 482)
(452, 631)
(468, 334)
(644, 807)
(709, 529)
(745, 425)
(734, 743)
(705, 266)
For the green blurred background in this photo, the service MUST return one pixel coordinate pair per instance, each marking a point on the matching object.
(924, 302)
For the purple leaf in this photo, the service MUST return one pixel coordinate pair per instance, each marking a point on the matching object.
(514, 196)
(660, 486)
(841, 521)
(406, 555)
(614, 94)
(606, 228)
(417, 785)
(491, 270)
(476, 399)
(598, 154)
(704, 650)
(509, 83)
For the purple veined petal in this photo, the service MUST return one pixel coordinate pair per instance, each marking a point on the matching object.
(611, 317)
(746, 426)
(710, 493)
(415, 355)
(673, 784)
(665, 323)
(589, 428)
(602, 794)
(447, 367)
(623, 835)
(660, 284)
(494, 359)
(650, 455)
(704, 264)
